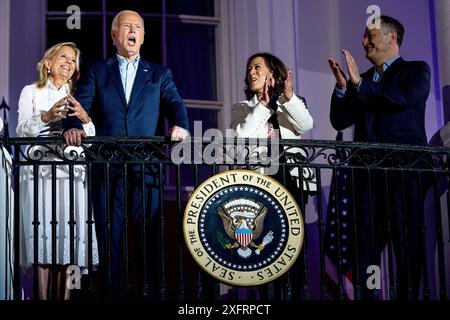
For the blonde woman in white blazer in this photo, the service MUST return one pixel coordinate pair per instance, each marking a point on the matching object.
(42, 107)
(269, 93)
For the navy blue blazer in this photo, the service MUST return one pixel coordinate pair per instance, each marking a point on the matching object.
(391, 111)
(100, 92)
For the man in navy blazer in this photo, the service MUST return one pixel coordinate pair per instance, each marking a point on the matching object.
(125, 96)
(386, 104)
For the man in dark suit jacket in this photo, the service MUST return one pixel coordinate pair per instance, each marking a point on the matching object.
(386, 104)
(125, 96)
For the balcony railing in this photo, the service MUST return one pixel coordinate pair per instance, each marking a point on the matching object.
(390, 200)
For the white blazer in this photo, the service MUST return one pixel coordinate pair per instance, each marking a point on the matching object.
(249, 120)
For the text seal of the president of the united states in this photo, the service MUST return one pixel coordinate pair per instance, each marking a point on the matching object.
(243, 228)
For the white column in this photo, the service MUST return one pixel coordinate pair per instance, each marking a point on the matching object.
(5, 222)
(4, 49)
(317, 37)
(256, 26)
(283, 31)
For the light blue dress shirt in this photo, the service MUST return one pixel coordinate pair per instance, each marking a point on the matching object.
(128, 70)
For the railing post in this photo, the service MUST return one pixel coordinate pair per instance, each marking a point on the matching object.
(16, 171)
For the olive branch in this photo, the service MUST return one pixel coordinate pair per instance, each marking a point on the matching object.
(222, 240)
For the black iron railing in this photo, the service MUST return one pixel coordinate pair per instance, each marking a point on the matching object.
(342, 188)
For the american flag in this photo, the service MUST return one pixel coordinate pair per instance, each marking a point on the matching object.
(338, 238)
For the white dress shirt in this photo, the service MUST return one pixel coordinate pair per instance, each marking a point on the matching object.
(33, 102)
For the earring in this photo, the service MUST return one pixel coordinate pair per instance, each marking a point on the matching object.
(48, 71)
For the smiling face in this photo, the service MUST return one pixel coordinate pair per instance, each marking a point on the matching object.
(257, 70)
(62, 65)
(128, 34)
(380, 46)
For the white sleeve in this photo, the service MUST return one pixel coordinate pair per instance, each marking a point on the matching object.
(1, 127)
(29, 124)
(89, 128)
(298, 114)
(249, 123)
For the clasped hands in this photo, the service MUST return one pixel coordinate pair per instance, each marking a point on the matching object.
(269, 85)
(352, 68)
(61, 108)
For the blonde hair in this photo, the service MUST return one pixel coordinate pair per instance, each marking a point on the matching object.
(49, 54)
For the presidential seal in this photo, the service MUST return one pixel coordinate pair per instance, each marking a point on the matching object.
(243, 228)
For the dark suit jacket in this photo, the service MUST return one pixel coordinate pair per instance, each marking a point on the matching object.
(101, 94)
(391, 111)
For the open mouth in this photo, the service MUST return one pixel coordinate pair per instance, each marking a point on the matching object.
(369, 48)
(131, 40)
(65, 68)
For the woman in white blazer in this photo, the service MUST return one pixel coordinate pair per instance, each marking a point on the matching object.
(271, 103)
(42, 107)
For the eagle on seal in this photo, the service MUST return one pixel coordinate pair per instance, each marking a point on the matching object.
(243, 221)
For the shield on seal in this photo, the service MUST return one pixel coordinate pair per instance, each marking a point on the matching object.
(243, 236)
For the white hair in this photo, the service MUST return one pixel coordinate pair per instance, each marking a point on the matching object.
(115, 22)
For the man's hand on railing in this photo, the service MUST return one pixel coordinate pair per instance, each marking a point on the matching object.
(178, 133)
(73, 137)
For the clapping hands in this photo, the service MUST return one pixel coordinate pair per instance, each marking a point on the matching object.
(268, 89)
(352, 67)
